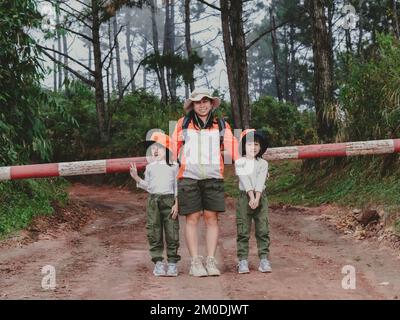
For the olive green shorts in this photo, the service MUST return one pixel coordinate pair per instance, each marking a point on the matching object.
(198, 195)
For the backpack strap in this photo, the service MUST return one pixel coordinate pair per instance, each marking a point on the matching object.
(185, 125)
(221, 128)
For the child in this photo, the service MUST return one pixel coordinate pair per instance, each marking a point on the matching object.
(162, 205)
(252, 204)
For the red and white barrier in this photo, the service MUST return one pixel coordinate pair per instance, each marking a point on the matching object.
(122, 165)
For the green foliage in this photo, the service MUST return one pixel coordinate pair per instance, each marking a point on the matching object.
(370, 94)
(284, 123)
(22, 133)
(73, 124)
(180, 66)
(26, 199)
(140, 112)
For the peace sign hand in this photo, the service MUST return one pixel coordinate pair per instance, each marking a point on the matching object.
(133, 170)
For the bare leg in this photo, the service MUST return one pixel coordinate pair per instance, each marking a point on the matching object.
(192, 221)
(211, 220)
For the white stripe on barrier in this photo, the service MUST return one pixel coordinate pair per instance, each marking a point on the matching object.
(82, 167)
(369, 147)
(282, 153)
(5, 173)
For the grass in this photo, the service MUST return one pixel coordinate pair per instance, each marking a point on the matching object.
(21, 201)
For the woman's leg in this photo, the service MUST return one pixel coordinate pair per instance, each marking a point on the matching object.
(211, 220)
(192, 221)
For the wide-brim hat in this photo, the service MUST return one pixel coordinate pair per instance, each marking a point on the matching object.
(160, 138)
(199, 94)
(257, 133)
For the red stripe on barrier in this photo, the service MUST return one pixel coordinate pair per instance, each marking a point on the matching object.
(123, 164)
(35, 171)
(396, 143)
(322, 150)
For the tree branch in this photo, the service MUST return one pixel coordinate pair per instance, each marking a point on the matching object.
(76, 73)
(84, 4)
(113, 47)
(77, 33)
(78, 19)
(117, 103)
(210, 5)
(253, 42)
(76, 11)
(65, 55)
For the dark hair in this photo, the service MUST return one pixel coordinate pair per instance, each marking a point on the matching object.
(253, 138)
(197, 122)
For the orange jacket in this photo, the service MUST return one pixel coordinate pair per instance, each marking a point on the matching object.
(201, 156)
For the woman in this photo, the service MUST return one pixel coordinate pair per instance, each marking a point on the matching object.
(198, 141)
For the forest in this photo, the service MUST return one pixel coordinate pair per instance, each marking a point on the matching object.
(86, 79)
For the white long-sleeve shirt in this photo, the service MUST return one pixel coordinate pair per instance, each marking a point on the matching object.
(252, 174)
(160, 178)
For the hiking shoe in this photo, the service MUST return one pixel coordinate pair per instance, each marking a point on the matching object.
(172, 270)
(211, 266)
(197, 268)
(264, 266)
(159, 269)
(243, 266)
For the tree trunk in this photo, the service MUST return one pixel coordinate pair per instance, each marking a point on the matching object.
(144, 67)
(287, 62)
(188, 42)
(275, 57)
(159, 70)
(130, 55)
(60, 77)
(90, 58)
(169, 38)
(98, 76)
(236, 60)
(396, 19)
(349, 47)
(360, 29)
(331, 12)
(292, 71)
(117, 57)
(323, 86)
(111, 56)
(65, 46)
(54, 70)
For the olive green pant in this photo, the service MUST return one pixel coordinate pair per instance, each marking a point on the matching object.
(244, 217)
(160, 222)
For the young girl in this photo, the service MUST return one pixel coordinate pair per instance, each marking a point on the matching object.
(162, 205)
(252, 203)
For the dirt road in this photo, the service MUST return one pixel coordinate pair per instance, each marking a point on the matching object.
(104, 256)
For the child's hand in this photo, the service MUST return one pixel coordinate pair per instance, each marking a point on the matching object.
(256, 203)
(252, 198)
(133, 171)
(174, 211)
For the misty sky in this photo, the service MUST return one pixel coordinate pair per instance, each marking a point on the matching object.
(205, 31)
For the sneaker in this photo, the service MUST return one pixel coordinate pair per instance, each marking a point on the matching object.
(243, 266)
(264, 266)
(197, 268)
(211, 266)
(172, 270)
(159, 269)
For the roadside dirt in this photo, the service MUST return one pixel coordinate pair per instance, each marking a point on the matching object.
(98, 248)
